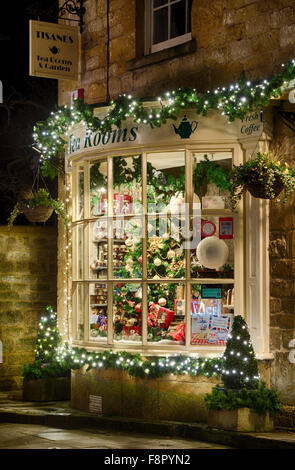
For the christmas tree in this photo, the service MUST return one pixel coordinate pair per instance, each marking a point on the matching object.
(48, 338)
(240, 368)
(165, 254)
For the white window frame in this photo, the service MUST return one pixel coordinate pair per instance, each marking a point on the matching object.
(151, 48)
(238, 280)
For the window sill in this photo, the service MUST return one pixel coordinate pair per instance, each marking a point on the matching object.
(160, 56)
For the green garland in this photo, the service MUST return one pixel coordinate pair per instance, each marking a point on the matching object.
(136, 365)
(234, 101)
(55, 359)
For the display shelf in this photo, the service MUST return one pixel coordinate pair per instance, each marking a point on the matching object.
(105, 240)
(98, 305)
(206, 212)
(105, 268)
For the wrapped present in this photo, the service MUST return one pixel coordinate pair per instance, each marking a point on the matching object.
(130, 330)
(179, 333)
(160, 316)
(102, 321)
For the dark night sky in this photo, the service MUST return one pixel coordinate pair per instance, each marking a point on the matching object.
(14, 38)
(26, 99)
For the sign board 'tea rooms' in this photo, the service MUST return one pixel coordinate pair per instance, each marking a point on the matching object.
(53, 50)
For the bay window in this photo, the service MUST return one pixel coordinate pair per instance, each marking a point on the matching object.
(157, 256)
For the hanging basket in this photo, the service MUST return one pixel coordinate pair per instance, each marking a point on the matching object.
(37, 214)
(259, 190)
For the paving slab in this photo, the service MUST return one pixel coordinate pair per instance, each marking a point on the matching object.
(59, 415)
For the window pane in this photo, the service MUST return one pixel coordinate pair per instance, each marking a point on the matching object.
(127, 248)
(211, 185)
(127, 312)
(158, 3)
(160, 25)
(178, 19)
(80, 312)
(80, 242)
(189, 22)
(212, 309)
(98, 188)
(127, 192)
(98, 317)
(166, 191)
(166, 313)
(212, 251)
(212, 248)
(80, 198)
(98, 249)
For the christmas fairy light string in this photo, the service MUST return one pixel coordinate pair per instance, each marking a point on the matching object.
(234, 101)
(52, 350)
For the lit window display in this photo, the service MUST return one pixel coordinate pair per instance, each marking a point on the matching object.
(98, 313)
(157, 270)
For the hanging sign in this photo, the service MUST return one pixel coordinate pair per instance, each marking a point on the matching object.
(251, 125)
(53, 50)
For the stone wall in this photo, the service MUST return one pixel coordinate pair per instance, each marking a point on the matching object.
(229, 37)
(179, 398)
(282, 271)
(27, 284)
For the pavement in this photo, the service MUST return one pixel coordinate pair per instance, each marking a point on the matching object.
(35, 436)
(52, 417)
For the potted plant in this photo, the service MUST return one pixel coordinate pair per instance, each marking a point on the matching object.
(38, 207)
(264, 176)
(243, 403)
(208, 171)
(47, 379)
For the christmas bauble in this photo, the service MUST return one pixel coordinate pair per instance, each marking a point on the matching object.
(139, 259)
(162, 301)
(170, 254)
(157, 262)
(128, 242)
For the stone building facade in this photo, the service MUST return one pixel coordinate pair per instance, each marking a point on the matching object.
(28, 283)
(229, 37)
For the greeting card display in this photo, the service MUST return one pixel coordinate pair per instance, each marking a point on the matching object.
(211, 329)
(226, 227)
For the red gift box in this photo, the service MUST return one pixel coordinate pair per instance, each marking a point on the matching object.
(129, 330)
(122, 203)
(179, 333)
(160, 316)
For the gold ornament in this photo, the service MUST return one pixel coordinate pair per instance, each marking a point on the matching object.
(170, 254)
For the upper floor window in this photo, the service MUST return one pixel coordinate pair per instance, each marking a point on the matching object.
(168, 23)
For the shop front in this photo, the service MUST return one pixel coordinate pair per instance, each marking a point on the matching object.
(161, 262)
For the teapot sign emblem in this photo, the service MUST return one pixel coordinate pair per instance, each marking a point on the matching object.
(186, 128)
